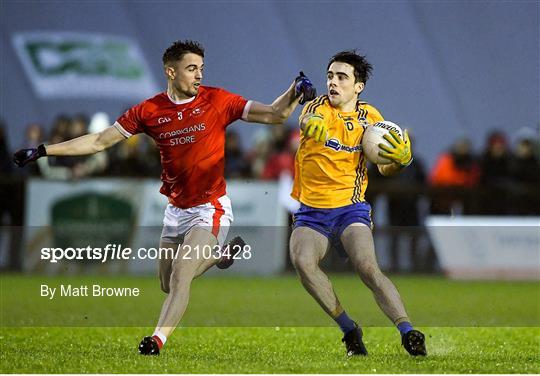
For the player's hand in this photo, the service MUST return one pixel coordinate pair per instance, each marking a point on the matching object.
(303, 87)
(24, 156)
(316, 128)
(400, 150)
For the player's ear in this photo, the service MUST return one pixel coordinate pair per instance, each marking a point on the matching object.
(359, 87)
(170, 72)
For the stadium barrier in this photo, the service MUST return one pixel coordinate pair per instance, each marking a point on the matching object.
(134, 207)
(480, 247)
(128, 213)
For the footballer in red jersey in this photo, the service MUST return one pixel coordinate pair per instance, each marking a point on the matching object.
(190, 135)
(188, 123)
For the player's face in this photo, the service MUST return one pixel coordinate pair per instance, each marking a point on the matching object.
(186, 75)
(342, 90)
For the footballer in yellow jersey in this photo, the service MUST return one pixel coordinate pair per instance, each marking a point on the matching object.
(330, 182)
(333, 173)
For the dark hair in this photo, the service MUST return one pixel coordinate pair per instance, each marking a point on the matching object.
(362, 68)
(180, 48)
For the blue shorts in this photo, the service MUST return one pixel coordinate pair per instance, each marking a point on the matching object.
(332, 222)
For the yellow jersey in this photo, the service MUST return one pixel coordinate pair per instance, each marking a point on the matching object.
(334, 173)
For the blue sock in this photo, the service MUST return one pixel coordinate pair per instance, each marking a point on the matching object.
(404, 327)
(345, 323)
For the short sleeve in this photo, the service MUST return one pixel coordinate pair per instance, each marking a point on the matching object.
(231, 105)
(131, 122)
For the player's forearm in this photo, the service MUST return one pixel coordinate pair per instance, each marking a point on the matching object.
(390, 169)
(84, 145)
(284, 105)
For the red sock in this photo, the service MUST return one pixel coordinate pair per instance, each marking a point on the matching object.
(158, 340)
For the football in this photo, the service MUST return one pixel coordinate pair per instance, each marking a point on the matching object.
(373, 136)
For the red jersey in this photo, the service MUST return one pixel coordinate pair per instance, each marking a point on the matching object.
(190, 135)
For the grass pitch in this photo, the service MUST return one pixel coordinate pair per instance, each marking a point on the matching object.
(267, 350)
(258, 325)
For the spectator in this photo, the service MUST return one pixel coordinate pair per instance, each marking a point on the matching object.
(495, 162)
(90, 165)
(34, 137)
(495, 175)
(60, 133)
(258, 156)
(78, 126)
(457, 168)
(525, 172)
(281, 160)
(60, 129)
(525, 166)
(63, 168)
(137, 156)
(236, 164)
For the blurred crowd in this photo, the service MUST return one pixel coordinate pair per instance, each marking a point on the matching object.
(136, 157)
(503, 179)
(507, 177)
(504, 173)
(272, 154)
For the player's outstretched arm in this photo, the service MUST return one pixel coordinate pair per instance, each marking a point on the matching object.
(84, 145)
(399, 152)
(300, 91)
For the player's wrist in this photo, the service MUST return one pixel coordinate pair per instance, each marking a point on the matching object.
(304, 121)
(406, 164)
(42, 150)
(313, 117)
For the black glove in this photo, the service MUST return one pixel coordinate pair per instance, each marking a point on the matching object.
(24, 156)
(304, 87)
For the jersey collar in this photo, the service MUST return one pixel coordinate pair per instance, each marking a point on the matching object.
(182, 101)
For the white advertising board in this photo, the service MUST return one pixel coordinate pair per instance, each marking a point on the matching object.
(259, 219)
(487, 247)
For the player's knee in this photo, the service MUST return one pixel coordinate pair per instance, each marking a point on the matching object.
(180, 274)
(303, 263)
(370, 274)
(178, 281)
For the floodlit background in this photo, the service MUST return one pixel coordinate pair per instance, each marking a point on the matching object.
(444, 69)
(457, 231)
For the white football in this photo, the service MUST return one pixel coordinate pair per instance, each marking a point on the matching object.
(373, 136)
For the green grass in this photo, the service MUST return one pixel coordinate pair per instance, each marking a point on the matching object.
(268, 325)
(259, 302)
(266, 350)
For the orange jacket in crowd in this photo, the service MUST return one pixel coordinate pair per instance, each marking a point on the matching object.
(446, 173)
